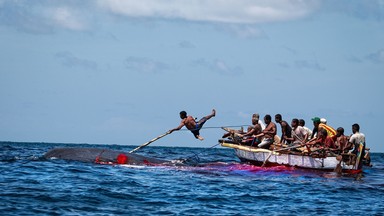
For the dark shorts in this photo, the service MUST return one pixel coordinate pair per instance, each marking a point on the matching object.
(288, 133)
(199, 125)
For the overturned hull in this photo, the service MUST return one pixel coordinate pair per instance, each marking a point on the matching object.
(101, 156)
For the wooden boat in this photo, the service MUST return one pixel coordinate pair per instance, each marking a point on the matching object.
(347, 163)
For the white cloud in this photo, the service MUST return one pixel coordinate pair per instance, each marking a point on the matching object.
(186, 45)
(376, 57)
(372, 9)
(67, 18)
(306, 64)
(69, 60)
(145, 65)
(219, 66)
(229, 11)
(243, 31)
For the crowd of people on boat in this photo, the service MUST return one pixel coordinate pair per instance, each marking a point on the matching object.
(299, 138)
(296, 137)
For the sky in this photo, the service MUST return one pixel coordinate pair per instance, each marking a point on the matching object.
(120, 71)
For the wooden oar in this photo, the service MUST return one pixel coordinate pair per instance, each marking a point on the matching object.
(149, 142)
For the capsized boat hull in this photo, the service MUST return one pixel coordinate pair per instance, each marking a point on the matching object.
(102, 156)
(258, 157)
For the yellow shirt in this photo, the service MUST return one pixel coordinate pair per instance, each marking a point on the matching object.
(331, 132)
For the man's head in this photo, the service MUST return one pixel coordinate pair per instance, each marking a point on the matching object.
(183, 114)
(267, 119)
(339, 131)
(355, 128)
(323, 133)
(255, 118)
(295, 122)
(278, 118)
(316, 121)
(302, 122)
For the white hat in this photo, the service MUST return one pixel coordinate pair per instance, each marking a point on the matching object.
(323, 120)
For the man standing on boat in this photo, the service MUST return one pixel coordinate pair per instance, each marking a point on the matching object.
(190, 123)
(316, 122)
(356, 138)
(286, 130)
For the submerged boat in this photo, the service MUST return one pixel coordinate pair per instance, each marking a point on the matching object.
(347, 163)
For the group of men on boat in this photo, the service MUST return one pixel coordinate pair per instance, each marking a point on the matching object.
(322, 140)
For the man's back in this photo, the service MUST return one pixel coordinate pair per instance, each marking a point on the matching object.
(357, 138)
(189, 122)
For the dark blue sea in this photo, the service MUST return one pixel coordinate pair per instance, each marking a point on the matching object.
(216, 183)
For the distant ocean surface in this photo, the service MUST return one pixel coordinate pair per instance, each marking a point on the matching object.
(216, 184)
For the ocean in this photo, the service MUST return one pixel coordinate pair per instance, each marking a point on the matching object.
(214, 182)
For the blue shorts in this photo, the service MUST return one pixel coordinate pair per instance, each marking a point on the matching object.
(199, 125)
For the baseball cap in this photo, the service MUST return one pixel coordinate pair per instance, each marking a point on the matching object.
(316, 119)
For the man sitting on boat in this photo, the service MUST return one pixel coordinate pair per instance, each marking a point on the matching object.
(246, 138)
(330, 130)
(268, 133)
(322, 142)
(341, 141)
(250, 138)
(309, 131)
(256, 120)
(299, 134)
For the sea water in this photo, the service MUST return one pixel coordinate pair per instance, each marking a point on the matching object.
(213, 182)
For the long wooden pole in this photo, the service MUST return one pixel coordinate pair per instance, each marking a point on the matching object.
(149, 142)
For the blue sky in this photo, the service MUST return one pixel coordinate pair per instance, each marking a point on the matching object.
(120, 71)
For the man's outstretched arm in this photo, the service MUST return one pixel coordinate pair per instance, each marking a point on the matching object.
(177, 128)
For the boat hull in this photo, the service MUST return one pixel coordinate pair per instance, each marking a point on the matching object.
(265, 157)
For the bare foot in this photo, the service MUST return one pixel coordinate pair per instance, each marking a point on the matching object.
(200, 138)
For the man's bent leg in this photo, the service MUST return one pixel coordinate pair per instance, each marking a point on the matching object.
(265, 143)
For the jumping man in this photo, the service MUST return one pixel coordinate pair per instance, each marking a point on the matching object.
(190, 123)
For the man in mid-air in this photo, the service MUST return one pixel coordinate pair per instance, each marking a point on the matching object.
(190, 123)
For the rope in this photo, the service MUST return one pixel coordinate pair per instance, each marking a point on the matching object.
(214, 127)
(196, 155)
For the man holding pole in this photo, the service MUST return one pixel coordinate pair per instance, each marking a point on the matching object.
(190, 123)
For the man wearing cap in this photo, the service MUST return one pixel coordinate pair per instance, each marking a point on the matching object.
(330, 130)
(316, 122)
